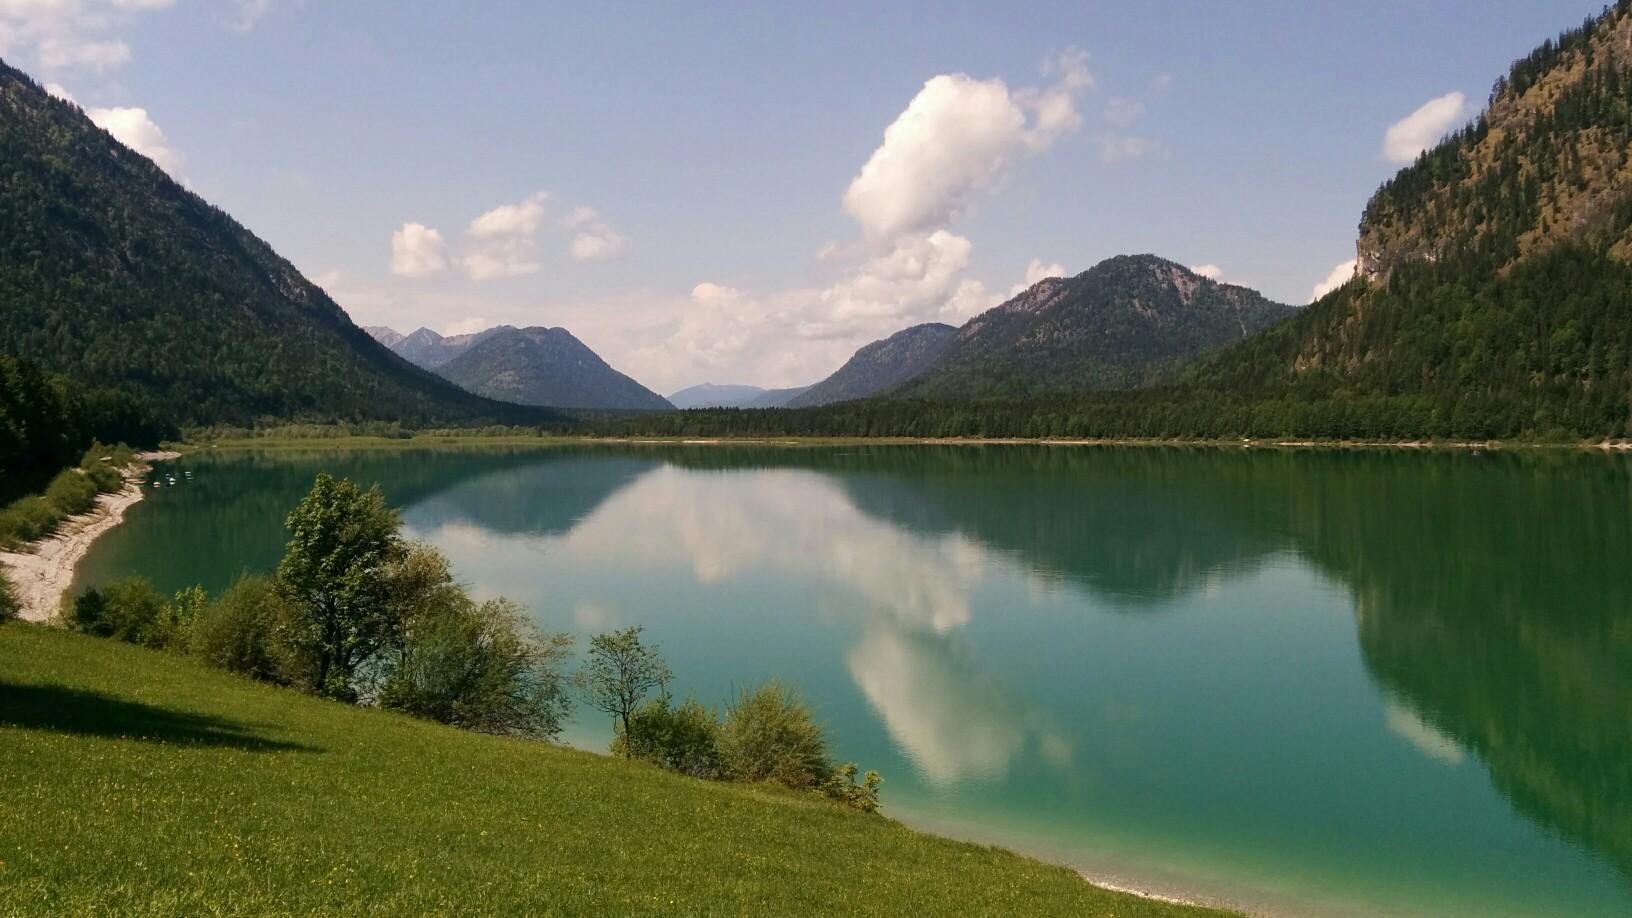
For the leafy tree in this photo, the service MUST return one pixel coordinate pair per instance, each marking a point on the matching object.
(684, 739)
(343, 544)
(126, 610)
(480, 667)
(620, 672)
(239, 631)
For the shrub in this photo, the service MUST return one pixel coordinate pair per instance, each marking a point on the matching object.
(841, 786)
(479, 667)
(620, 672)
(8, 600)
(26, 520)
(127, 610)
(684, 739)
(769, 734)
(239, 631)
(105, 478)
(71, 492)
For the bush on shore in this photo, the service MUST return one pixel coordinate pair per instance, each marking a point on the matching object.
(684, 739)
(8, 600)
(72, 491)
(239, 631)
(127, 610)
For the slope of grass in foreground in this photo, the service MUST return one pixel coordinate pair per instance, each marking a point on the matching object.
(136, 782)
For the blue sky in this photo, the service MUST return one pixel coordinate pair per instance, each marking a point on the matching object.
(708, 194)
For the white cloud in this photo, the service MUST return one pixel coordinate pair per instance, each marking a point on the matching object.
(503, 242)
(133, 128)
(519, 219)
(466, 326)
(514, 256)
(1209, 271)
(417, 251)
(247, 14)
(1340, 275)
(1407, 138)
(957, 137)
(1036, 271)
(593, 238)
(70, 34)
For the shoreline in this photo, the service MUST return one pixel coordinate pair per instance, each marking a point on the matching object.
(41, 572)
(1607, 446)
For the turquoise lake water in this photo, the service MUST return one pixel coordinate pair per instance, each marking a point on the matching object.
(1305, 682)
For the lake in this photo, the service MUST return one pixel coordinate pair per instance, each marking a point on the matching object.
(1311, 682)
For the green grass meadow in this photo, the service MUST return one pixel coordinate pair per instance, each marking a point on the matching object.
(136, 782)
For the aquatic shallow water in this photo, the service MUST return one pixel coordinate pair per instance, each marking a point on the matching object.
(1339, 683)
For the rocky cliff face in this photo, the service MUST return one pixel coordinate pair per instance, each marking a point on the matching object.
(1548, 162)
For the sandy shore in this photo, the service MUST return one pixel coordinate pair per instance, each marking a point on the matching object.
(42, 571)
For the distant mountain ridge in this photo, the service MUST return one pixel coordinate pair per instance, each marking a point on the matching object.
(710, 395)
(543, 367)
(114, 274)
(881, 365)
(1128, 322)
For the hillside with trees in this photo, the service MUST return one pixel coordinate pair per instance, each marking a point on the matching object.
(115, 275)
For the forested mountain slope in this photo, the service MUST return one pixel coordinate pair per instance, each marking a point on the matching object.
(115, 275)
(1494, 291)
(1127, 322)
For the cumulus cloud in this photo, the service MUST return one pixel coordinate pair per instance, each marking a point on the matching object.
(135, 129)
(417, 251)
(593, 238)
(1340, 275)
(1409, 137)
(519, 219)
(957, 137)
(1036, 271)
(70, 34)
(503, 242)
(1209, 271)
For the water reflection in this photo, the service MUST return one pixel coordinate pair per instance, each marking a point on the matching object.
(1491, 601)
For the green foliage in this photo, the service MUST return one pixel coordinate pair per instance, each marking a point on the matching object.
(343, 543)
(1127, 322)
(685, 739)
(71, 492)
(128, 610)
(480, 667)
(241, 631)
(841, 785)
(620, 672)
(769, 734)
(8, 599)
(46, 421)
(26, 520)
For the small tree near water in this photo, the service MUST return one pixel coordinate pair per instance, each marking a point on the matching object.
(620, 672)
(343, 543)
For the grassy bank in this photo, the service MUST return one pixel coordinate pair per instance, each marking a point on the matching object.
(141, 783)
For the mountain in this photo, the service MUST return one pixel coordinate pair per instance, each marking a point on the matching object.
(426, 348)
(387, 336)
(881, 365)
(1493, 295)
(709, 395)
(545, 367)
(777, 398)
(113, 274)
(1127, 322)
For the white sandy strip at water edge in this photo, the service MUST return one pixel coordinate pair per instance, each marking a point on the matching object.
(40, 572)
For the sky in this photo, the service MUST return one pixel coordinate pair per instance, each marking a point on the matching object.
(746, 193)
